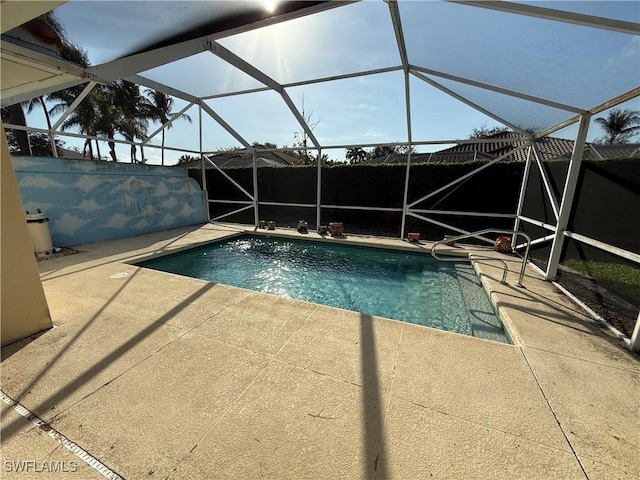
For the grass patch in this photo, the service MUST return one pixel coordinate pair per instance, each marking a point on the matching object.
(623, 280)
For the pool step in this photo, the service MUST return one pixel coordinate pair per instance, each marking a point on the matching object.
(483, 320)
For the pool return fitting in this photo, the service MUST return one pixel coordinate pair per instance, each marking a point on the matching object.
(477, 235)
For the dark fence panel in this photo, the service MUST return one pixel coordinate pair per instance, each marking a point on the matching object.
(606, 206)
(608, 198)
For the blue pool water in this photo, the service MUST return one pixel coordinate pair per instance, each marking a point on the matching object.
(405, 286)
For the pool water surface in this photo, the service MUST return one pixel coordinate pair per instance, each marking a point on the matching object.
(405, 286)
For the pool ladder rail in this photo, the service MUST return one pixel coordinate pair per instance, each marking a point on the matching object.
(475, 257)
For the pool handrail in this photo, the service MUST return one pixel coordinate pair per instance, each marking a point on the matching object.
(475, 257)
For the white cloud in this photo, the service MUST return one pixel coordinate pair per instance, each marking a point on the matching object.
(373, 135)
(187, 210)
(161, 191)
(88, 205)
(68, 224)
(117, 221)
(32, 206)
(627, 55)
(167, 221)
(141, 225)
(186, 188)
(39, 181)
(367, 106)
(87, 182)
(148, 210)
(85, 166)
(21, 162)
(133, 184)
(169, 203)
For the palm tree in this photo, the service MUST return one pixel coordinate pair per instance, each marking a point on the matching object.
(15, 114)
(84, 117)
(356, 155)
(620, 125)
(131, 115)
(64, 98)
(158, 107)
(384, 151)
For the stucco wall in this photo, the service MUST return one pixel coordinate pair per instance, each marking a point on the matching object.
(23, 306)
(89, 201)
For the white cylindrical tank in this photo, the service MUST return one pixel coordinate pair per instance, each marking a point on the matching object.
(37, 224)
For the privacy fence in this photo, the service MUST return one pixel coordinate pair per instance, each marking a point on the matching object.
(607, 209)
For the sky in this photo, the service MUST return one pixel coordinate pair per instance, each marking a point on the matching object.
(570, 64)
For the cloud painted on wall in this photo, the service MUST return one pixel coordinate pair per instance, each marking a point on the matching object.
(117, 221)
(161, 191)
(141, 225)
(19, 163)
(169, 203)
(90, 201)
(167, 220)
(186, 211)
(83, 166)
(88, 206)
(67, 224)
(38, 181)
(148, 210)
(133, 184)
(87, 182)
(187, 188)
(31, 206)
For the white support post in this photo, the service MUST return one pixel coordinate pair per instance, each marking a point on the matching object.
(523, 192)
(547, 183)
(402, 51)
(319, 190)
(408, 170)
(567, 197)
(447, 226)
(74, 105)
(52, 140)
(634, 344)
(202, 170)
(256, 215)
(226, 175)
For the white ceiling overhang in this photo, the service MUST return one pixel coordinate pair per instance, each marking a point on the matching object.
(26, 73)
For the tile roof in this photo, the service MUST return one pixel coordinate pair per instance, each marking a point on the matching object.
(549, 148)
(240, 159)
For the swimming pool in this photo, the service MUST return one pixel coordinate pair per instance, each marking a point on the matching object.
(405, 286)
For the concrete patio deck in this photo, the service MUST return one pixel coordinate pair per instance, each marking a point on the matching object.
(161, 376)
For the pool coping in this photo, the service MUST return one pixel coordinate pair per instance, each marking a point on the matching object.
(419, 248)
(370, 241)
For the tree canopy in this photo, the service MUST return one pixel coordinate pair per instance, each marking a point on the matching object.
(620, 126)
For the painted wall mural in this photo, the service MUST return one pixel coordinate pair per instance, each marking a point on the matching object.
(89, 201)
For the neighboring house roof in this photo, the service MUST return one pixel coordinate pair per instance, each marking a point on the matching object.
(443, 156)
(607, 152)
(549, 148)
(66, 153)
(245, 159)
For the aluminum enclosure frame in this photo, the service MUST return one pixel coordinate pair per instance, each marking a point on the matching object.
(130, 68)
